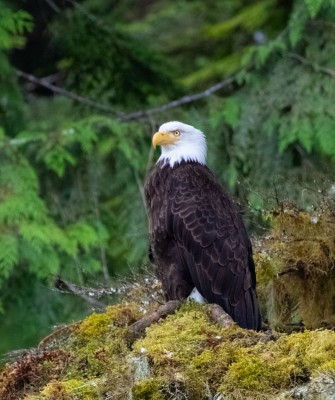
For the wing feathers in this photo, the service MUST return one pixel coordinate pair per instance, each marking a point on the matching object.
(213, 243)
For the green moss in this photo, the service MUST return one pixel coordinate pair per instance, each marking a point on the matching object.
(73, 389)
(185, 355)
(314, 351)
(97, 325)
(291, 360)
(93, 326)
(190, 348)
(94, 353)
(253, 371)
(100, 341)
(192, 327)
(267, 268)
(148, 389)
(203, 360)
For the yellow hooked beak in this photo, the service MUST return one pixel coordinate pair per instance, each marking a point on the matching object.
(164, 137)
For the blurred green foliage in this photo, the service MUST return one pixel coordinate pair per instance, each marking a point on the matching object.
(72, 176)
(13, 26)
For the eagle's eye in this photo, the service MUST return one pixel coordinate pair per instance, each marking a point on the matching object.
(176, 133)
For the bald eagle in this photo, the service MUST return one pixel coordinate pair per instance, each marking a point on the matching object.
(197, 237)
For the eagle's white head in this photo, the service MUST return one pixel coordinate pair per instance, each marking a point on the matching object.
(180, 142)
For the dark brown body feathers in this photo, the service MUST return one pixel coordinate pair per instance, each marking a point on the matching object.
(198, 239)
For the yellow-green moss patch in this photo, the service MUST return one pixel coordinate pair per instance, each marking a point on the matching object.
(188, 347)
(72, 389)
(190, 325)
(100, 341)
(205, 359)
(289, 361)
(97, 325)
(148, 389)
(186, 355)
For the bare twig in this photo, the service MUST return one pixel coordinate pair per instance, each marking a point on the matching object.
(53, 78)
(176, 103)
(58, 335)
(220, 316)
(138, 328)
(79, 292)
(151, 151)
(315, 66)
(133, 115)
(120, 115)
(53, 6)
(140, 186)
(276, 192)
(288, 271)
(67, 93)
(97, 21)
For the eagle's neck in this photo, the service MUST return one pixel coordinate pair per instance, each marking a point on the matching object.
(194, 150)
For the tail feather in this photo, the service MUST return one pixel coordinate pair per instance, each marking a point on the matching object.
(247, 314)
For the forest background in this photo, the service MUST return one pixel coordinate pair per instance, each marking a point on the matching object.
(84, 84)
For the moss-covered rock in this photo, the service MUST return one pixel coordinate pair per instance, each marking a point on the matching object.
(185, 356)
(295, 267)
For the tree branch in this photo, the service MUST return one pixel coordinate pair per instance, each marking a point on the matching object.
(140, 186)
(312, 64)
(97, 21)
(133, 116)
(136, 115)
(53, 6)
(220, 316)
(176, 103)
(62, 283)
(73, 96)
(137, 329)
